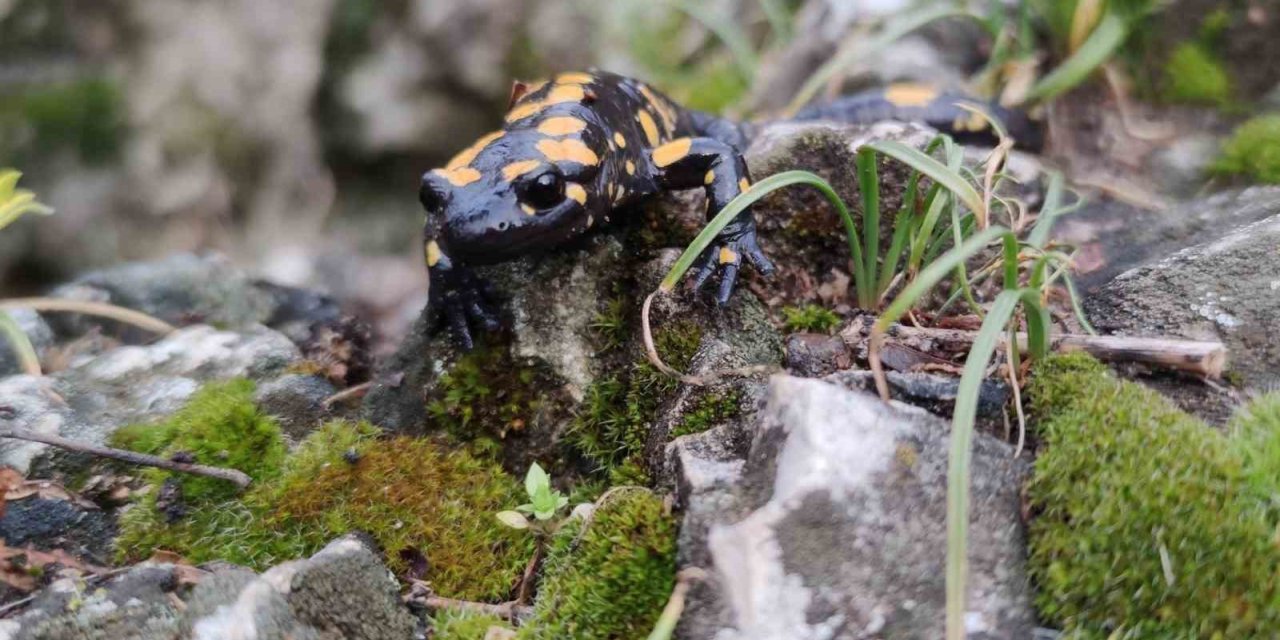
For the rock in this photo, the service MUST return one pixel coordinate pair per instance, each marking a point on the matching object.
(179, 289)
(813, 355)
(930, 391)
(37, 331)
(99, 394)
(137, 605)
(833, 524)
(49, 524)
(296, 402)
(1114, 237)
(343, 591)
(1220, 290)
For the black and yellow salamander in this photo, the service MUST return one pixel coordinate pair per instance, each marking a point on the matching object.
(581, 145)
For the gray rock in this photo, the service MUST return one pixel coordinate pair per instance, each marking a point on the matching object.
(297, 402)
(181, 289)
(49, 524)
(1114, 237)
(812, 355)
(97, 395)
(36, 330)
(1221, 290)
(343, 591)
(930, 391)
(833, 524)
(135, 606)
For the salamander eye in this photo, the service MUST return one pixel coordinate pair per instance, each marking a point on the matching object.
(544, 191)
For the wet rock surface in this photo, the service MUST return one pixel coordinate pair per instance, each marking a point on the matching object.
(1224, 290)
(833, 524)
(49, 524)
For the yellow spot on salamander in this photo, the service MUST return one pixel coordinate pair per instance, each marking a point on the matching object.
(744, 184)
(910, 95)
(465, 156)
(576, 192)
(558, 95)
(574, 77)
(567, 150)
(433, 253)
(561, 126)
(650, 127)
(710, 177)
(528, 209)
(459, 177)
(663, 108)
(672, 152)
(631, 168)
(619, 140)
(519, 168)
(728, 256)
(971, 121)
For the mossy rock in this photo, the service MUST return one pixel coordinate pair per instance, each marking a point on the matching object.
(1149, 523)
(462, 625)
(611, 580)
(412, 496)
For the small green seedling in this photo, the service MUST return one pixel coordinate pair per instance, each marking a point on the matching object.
(544, 503)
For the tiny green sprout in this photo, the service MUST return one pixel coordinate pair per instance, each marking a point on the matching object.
(544, 502)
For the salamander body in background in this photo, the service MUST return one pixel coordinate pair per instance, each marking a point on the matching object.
(579, 146)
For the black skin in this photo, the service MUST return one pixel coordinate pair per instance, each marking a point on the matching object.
(558, 170)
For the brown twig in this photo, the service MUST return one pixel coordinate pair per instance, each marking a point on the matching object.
(349, 393)
(506, 611)
(239, 478)
(109, 311)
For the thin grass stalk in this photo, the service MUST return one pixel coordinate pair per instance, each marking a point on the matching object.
(1111, 32)
(21, 345)
(939, 172)
(960, 456)
(103, 310)
(869, 189)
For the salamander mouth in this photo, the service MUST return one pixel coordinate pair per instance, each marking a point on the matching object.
(501, 244)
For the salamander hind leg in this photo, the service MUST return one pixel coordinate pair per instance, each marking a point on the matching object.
(687, 163)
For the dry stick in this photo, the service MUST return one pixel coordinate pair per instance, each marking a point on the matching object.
(239, 478)
(651, 352)
(350, 393)
(110, 311)
(506, 611)
(1192, 356)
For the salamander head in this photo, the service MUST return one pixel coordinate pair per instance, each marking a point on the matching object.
(492, 210)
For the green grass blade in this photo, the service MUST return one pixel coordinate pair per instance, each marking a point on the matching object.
(8, 182)
(1010, 262)
(975, 370)
(931, 275)
(20, 203)
(728, 31)
(1051, 210)
(942, 174)
(869, 189)
(20, 343)
(779, 19)
(1075, 304)
(1110, 33)
(1038, 323)
(854, 51)
(962, 272)
(749, 197)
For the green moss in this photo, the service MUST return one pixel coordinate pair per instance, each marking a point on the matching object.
(451, 625)
(610, 325)
(485, 395)
(1193, 74)
(707, 411)
(1146, 525)
(1253, 151)
(613, 424)
(408, 494)
(1256, 432)
(810, 317)
(85, 116)
(219, 426)
(613, 580)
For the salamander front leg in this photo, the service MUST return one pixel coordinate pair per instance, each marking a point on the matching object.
(459, 295)
(687, 163)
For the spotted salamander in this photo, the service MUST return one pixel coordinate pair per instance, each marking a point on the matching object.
(578, 147)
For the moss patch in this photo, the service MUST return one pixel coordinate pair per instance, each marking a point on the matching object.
(708, 410)
(810, 317)
(219, 426)
(1147, 524)
(611, 581)
(1193, 74)
(464, 626)
(618, 411)
(411, 495)
(1253, 151)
